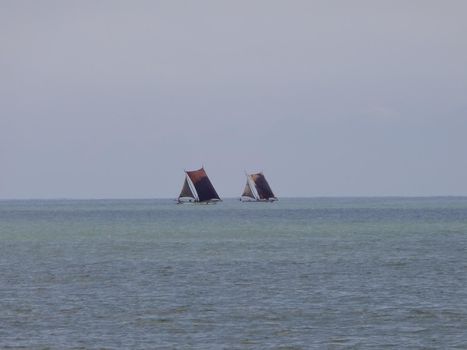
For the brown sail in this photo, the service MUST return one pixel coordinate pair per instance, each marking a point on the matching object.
(203, 185)
(262, 187)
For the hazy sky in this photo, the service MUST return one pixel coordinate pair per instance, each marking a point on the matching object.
(105, 99)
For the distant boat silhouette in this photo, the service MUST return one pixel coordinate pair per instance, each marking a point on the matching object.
(197, 188)
(257, 189)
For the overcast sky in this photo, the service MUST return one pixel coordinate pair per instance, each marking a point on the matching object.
(114, 99)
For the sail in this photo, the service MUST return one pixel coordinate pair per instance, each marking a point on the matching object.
(186, 190)
(203, 185)
(247, 192)
(262, 186)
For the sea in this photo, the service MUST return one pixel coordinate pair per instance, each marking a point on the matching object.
(300, 273)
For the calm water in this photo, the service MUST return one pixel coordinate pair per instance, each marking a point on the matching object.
(297, 274)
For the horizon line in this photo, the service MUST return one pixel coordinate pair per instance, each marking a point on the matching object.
(236, 197)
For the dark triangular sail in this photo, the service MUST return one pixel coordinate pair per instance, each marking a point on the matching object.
(262, 186)
(186, 190)
(203, 185)
(247, 192)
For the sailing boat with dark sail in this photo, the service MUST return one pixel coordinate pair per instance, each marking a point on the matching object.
(257, 189)
(197, 188)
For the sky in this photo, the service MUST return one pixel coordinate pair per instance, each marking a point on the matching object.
(115, 99)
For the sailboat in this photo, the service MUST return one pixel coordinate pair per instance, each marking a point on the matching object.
(257, 189)
(197, 188)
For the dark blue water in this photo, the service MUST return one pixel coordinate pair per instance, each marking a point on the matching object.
(352, 273)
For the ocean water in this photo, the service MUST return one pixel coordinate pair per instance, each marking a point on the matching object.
(321, 273)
